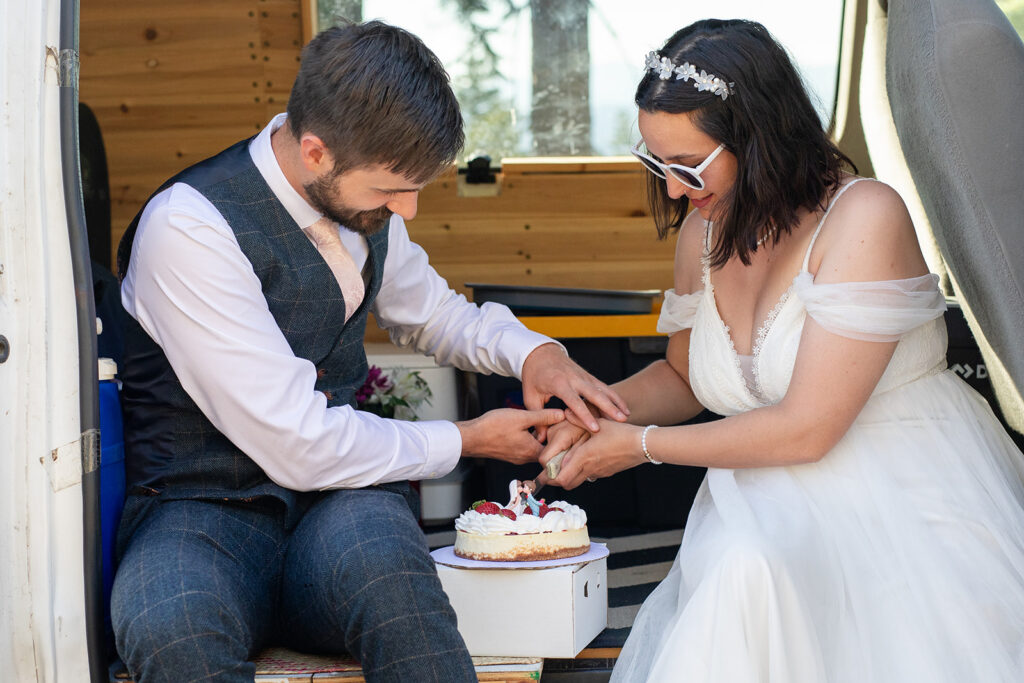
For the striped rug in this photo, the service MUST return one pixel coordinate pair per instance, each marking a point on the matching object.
(638, 560)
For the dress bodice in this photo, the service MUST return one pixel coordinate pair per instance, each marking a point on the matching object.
(908, 310)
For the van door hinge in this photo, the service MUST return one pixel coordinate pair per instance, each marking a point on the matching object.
(90, 451)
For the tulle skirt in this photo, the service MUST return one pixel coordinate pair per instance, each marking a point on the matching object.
(898, 557)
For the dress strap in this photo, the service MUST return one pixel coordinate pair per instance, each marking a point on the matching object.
(705, 257)
(814, 237)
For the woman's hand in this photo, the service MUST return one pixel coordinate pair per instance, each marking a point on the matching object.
(616, 447)
(562, 437)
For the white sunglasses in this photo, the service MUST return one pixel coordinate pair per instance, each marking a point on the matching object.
(687, 175)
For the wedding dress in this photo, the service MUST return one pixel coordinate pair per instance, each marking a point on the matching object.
(899, 556)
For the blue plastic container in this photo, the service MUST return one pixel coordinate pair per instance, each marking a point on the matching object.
(112, 487)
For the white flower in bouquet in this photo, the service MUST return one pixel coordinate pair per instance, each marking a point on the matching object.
(396, 395)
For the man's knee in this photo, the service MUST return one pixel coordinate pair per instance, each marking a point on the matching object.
(186, 602)
(373, 571)
(181, 635)
(361, 536)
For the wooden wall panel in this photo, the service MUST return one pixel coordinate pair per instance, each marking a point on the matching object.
(172, 83)
(553, 223)
(540, 239)
(589, 193)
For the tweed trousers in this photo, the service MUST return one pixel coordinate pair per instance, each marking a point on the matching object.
(203, 585)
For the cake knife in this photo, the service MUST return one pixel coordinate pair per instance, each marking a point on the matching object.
(549, 472)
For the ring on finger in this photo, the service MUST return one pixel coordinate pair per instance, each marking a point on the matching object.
(591, 479)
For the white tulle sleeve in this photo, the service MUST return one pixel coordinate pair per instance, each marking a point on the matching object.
(872, 311)
(677, 311)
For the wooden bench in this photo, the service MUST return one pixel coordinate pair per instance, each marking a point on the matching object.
(280, 665)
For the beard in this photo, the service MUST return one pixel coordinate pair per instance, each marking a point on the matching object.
(321, 197)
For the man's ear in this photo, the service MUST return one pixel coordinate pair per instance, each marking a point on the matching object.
(315, 155)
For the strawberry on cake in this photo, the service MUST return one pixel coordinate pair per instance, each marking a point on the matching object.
(524, 530)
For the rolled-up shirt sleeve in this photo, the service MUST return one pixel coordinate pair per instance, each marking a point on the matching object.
(195, 293)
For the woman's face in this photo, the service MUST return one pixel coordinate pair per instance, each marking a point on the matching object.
(674, 139)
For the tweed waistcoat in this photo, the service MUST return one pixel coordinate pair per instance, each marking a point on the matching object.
(171, 448)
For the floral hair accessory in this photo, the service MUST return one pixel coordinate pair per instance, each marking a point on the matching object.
(702, 80)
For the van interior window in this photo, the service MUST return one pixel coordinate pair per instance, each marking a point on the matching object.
(556, 77)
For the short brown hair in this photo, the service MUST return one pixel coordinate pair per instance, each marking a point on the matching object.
(375, 94)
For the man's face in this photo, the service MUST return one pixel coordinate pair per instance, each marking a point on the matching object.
(362, 199)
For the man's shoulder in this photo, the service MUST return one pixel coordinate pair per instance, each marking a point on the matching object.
(223, 166)
(180, 202)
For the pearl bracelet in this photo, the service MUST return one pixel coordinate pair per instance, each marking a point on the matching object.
(643, 445)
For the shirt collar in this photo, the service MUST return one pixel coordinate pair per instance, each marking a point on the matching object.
(266, 163)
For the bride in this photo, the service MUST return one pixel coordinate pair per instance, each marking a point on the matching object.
(861, 518)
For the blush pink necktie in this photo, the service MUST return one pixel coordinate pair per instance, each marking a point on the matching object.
(324, 234)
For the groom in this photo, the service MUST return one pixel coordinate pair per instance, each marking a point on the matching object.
(262, 507)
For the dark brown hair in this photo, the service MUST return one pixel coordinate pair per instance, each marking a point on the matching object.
(785, 160)
(375, 94)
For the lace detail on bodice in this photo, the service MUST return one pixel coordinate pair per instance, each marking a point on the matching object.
(732, 347)
(724, 370)
(709, 294)
(908, 310)
(717, 378)
(762, 334)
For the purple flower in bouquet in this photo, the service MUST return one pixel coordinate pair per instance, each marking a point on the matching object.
(396, 395)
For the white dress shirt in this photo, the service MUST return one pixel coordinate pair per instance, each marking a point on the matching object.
(195, 293)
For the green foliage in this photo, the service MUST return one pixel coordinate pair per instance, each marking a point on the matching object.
(396, 395)
(1014, 10)
(489, 114)
(331, 12)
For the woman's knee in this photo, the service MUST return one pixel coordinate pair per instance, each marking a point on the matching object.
(747, 560)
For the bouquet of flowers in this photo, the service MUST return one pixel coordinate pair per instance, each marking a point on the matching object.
(396, 395)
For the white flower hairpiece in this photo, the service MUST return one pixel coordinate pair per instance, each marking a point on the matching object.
(702, 80)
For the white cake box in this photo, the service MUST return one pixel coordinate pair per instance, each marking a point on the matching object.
(539, 609)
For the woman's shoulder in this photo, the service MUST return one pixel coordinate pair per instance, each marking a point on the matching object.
(866, 235)
(866, 201)
(867, 194)
(690, 243)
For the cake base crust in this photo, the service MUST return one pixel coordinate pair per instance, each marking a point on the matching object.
(552, 545)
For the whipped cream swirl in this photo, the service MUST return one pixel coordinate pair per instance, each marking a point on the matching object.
(569, 517)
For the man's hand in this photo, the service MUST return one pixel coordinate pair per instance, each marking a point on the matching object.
(548, 372)
(504, 434)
